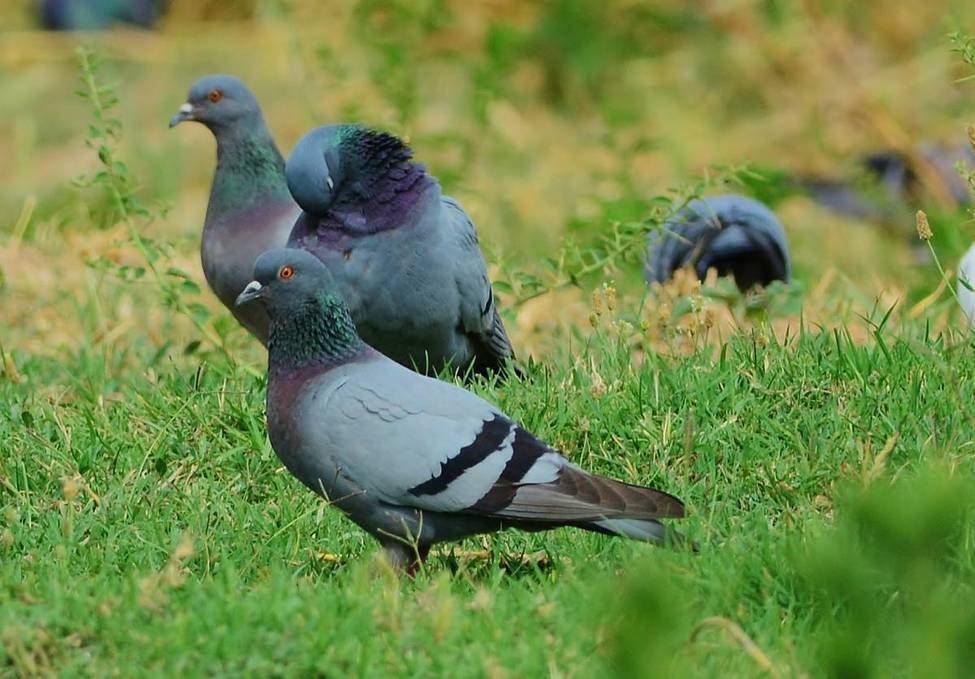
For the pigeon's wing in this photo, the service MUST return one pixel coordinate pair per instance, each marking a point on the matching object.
(479, 317)
(417, 442)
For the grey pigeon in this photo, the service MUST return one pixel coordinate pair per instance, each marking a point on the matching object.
(250, 210)
(405, 258)
(412, 460)
(735, 235)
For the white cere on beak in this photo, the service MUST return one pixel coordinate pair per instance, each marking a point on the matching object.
(329, 183)
(252, 290)
(186, 108)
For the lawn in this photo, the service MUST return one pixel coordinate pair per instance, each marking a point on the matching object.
(821, 434)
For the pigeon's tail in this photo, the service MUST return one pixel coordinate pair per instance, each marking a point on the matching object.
(645, 530)
(492, 349)
(752, 255)
(638, 516)
(733, 234)
(577, 498)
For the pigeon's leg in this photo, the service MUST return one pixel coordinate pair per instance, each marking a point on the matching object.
(405, 556)
(419, 558)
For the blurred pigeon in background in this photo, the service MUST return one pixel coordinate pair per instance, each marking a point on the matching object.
(736, 235)
(97, 15)
(899, 183)
(901, 179)
(413, 460)
(250, 209)
(405, 258)
(966, 272)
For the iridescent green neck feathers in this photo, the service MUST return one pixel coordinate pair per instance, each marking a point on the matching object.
(250, 170)
(319, 332)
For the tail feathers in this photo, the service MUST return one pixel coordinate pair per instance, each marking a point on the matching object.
(644, 530)
(577, 498)
(733, 234)
(751, 255)
(639, 502)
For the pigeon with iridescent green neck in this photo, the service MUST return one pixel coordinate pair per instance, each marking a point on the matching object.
(413, 460)
(250, 210)
(405, 258)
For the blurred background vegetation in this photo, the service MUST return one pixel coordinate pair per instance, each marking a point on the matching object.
(544, 119)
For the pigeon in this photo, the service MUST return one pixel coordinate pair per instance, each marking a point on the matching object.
(844, 198)
(735, 235)
(96, 15)
(896, 175)
(966, 273)
(412, 460)
(405, 258)
(900, 179)
(250, 209)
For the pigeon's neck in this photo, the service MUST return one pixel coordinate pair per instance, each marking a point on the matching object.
(387, 189)
(250, 171)
(396, 203)
(321, 333)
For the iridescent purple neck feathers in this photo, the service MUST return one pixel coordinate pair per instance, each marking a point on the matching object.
(358, 181)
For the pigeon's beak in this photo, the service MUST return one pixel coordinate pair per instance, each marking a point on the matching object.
(185, 113)
(254, 290)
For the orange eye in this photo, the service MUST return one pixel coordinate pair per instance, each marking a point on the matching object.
(287, 271)
(215, 96)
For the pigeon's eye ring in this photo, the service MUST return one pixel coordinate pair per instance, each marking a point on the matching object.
(215, 96)
(286, 272)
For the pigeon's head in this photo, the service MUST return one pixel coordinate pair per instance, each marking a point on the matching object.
(286, 280)
(314, 169)
(220, 102)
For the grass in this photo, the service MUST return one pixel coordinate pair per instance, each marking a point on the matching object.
(820, 434)
(149, 529)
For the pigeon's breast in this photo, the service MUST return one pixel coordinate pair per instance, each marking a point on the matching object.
(293, 399)
(230, 246)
